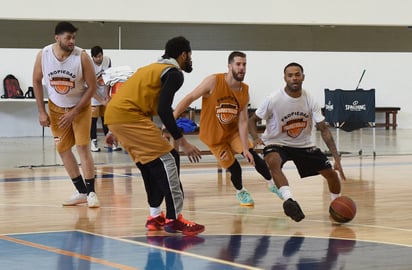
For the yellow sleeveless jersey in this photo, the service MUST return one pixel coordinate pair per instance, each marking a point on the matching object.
(220, 111)
(138, 97)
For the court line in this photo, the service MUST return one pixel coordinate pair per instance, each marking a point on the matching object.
(351, 224)
(67, 253)
(176, 251)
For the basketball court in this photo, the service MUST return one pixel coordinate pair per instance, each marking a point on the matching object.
(36, 232)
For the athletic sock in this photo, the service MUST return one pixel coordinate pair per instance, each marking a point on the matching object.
(333, 196)
(155, 211)
(286, 193)
(79, 184)
(90, 185)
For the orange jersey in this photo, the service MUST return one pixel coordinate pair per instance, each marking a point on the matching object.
(220, 111)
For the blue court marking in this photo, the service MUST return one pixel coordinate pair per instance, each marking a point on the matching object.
(295, 252)
(83, 251)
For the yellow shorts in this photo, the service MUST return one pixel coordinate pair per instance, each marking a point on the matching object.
(98, 111)
(78, 133)
(142, 140)
(225, 151)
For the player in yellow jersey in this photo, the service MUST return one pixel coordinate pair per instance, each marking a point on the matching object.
(224, 122)
(148, 92)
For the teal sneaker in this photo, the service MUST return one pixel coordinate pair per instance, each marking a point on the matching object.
(275, 190)
(244, 198)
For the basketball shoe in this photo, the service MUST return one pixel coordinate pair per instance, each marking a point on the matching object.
(182, 225)
(77, 198)
(293, 210)
(244, 198)
(275, 190)
(92, 200)
(155, 223)
(94, 147)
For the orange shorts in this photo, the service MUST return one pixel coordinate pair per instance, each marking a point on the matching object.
(98, 111)
(225, 151)
(143, 140)
(78, 133)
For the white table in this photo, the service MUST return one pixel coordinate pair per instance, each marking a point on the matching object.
(20, 118)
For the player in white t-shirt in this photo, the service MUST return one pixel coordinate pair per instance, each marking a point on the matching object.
(290, 114)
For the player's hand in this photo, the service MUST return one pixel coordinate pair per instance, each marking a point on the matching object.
(249, 157)
(66, 119)
(258, 141)
(44, 120)
(166, 134)
(192, 152)
(338, 167)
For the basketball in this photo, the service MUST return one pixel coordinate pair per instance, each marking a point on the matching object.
(342, 209)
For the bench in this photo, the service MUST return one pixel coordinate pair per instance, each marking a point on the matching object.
(388, 112)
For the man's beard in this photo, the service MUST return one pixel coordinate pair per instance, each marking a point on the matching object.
(294, 88)
(65, 48)
(237, 77)
(188, 66)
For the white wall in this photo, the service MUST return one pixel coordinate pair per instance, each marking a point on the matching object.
(349, 12)
(388, 73)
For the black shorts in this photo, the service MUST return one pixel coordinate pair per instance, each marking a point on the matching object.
(309, 161)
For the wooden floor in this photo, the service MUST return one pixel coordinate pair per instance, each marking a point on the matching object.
(34, 224)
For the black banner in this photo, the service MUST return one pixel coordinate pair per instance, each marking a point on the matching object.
(351, 109)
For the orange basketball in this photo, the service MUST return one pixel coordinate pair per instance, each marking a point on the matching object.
(342, 209)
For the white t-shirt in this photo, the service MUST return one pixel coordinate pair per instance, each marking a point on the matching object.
(63, 79)
(101, 86)
(289, 120)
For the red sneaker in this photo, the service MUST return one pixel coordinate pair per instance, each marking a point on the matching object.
(155, 223)
(182, 225)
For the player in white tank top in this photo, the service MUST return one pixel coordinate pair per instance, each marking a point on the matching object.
(63, 79)
(65, 70)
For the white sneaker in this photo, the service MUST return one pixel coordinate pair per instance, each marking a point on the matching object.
(116, 148)
(77, 198)
(92, 200)
(94, 147)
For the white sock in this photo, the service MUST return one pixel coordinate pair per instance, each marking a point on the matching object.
(271, 183)
(238, 191)
(333, 196)
(155, 211)
(286, 193)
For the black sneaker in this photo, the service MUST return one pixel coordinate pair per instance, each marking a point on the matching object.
(293, 210)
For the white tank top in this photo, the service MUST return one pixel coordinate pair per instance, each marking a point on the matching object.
(99, 70)
(63, 79)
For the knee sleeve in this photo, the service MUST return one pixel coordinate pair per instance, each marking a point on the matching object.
(236, 175)
(260, 165)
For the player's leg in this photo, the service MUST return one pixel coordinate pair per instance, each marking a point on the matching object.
(156, 219)
(81, 129)
(275, 157)
(226, 159)
(262, 168)
(333, 180)
(64, 140)
(161, 162)
(312, 161)
(93, 129)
